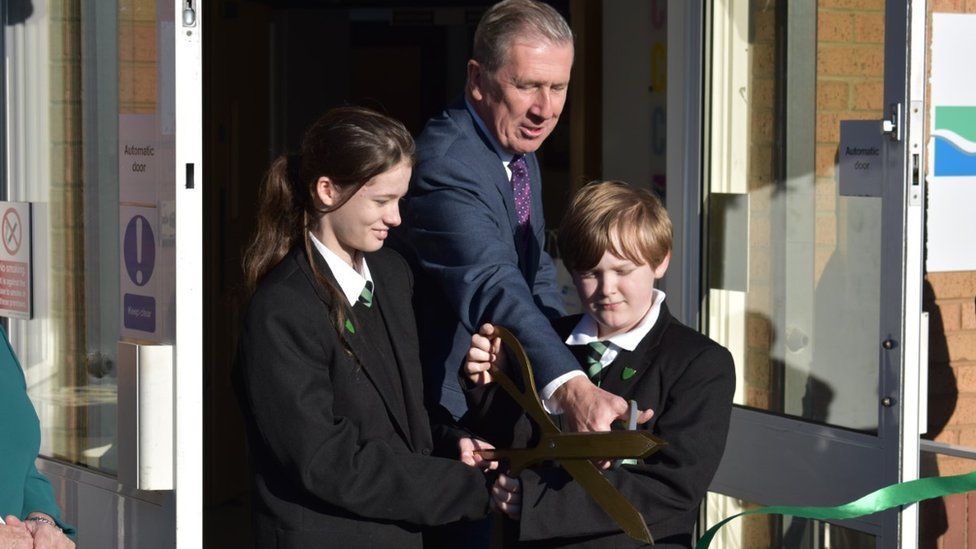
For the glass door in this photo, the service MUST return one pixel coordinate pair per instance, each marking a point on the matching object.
(811, 269)
(102, 124)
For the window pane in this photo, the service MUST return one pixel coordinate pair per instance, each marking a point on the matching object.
(82, 70)
(793, 265)
(62, 160)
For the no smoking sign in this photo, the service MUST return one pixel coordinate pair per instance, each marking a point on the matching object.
(12, 231)
(15, 260)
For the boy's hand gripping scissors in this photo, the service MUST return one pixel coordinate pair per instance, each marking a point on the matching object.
(574, 450)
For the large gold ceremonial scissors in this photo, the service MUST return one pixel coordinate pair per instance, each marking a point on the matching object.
(574, 451)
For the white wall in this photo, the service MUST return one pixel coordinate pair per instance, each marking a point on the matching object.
(628, 98)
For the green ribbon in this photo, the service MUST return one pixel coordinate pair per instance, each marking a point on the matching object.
(903, 493)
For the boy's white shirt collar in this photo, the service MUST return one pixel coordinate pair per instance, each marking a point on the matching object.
(351, 281)
(587, 330)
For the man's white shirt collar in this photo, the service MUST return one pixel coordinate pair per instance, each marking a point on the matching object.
(504, 155)
(351, 281)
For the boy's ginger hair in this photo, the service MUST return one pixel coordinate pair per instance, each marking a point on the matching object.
(629, 222)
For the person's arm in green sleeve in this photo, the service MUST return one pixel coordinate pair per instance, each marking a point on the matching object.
(39, 498)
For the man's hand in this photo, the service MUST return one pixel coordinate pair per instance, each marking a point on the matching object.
(589, 408)
(482, 354)
(467, 447)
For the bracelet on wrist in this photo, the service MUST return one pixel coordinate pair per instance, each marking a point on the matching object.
(44, 520)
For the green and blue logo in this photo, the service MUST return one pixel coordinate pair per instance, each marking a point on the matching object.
(955, 141)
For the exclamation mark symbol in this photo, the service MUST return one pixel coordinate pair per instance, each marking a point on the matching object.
(139, 250)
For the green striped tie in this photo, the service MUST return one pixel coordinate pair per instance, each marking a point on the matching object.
(594, 354)
(366, 297)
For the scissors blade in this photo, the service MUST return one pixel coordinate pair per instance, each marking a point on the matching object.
(609, 499)
(605, 445)
(582, 470)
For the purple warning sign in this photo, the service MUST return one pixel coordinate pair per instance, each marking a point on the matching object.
(139, 312)
(139, 250)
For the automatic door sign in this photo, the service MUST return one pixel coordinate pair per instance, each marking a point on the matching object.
(15, 267)
(139, 257)
(860, 158)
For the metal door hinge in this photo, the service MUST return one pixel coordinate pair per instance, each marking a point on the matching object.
(189, 14)
(915, 133)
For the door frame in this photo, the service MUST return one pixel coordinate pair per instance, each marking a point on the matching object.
(188, 370)
(916, 329)
(106, 510)
(760, 438)
(685, 68)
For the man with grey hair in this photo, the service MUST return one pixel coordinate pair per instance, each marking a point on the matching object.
(473, 227)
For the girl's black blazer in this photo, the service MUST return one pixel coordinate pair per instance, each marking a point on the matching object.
(340, 443)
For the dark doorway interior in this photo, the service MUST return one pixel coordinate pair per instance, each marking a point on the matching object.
(270, 69)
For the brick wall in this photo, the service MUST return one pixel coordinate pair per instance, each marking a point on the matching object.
(850, 80)
(950, 298)
(760, 180)
(137, 56)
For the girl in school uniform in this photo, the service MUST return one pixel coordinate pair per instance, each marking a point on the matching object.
(328, 369)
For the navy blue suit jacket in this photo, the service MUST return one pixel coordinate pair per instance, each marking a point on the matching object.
(459, 235)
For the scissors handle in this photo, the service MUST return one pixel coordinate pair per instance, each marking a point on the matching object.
(606, 445)
(527, 397)
(631, 425)
(582, 470)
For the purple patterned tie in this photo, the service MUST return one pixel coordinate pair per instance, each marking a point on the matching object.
(521, 189)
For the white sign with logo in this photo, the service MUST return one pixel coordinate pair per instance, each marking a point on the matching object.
(15, 259)
(951, 176)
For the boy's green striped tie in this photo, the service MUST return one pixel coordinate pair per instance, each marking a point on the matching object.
(594, 353)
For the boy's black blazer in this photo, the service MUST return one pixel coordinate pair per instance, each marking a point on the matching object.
(341, 444)
(688, 380)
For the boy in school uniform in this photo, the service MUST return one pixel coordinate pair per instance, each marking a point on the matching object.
(616, 241)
